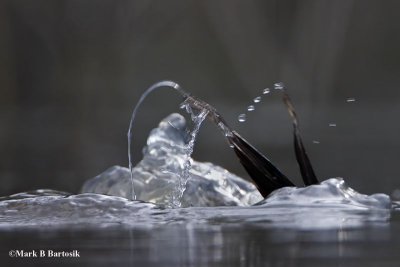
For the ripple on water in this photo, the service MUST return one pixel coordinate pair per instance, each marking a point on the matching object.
(329, 205)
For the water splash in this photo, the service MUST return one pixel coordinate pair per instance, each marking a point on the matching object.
(166, 84)
(330, 205)
(185, 175)
(157, 175)
(198, 111)
(331, 192)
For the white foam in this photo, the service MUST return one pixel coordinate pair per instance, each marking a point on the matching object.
(332, 192)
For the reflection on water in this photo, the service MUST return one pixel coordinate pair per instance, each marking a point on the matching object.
(218, 244)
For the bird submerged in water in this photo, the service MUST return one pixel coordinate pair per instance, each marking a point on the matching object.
(264, 174)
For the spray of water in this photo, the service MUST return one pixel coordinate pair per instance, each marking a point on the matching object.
(199, 110)
(162, 84)
(185, 174)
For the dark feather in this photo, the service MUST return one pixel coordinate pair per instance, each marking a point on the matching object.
(265, 175)
(306, 168)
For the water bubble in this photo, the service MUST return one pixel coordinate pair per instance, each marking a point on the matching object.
(350, 99)
(266, 91)
(257, 99)
(332, 124)
(315, 142)
(242, 117)
(279, 86)
(251, 108)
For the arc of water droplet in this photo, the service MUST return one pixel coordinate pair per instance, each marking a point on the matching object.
(279, 86)
(242, 117)
(257, 99)
(167, 84)
(251, 108)
(266, 91)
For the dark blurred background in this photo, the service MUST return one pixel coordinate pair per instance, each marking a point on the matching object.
(71, 72)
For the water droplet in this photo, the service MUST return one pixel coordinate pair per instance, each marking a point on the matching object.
(266, 91)
(251, 108)
(228, 134)
(350, 99)
(315, 142)
(279, 86)
(332, 124)
(257, 99)
(231, 146)
(242, 117)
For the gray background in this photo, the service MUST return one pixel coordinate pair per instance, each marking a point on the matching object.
(71, 71)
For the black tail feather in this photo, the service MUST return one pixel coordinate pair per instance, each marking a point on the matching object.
(265, 175)
(304, 162)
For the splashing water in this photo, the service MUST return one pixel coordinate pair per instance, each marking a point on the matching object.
(185, 175)
(167, 176)
(165, 159)
(166, 84)
(198, 111)
(330, 205)
(196, 106)
(100, 211)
